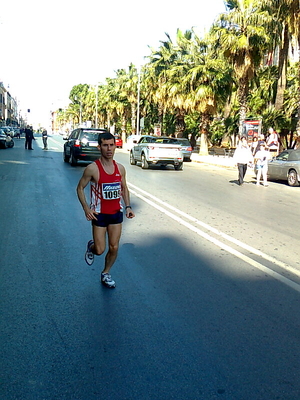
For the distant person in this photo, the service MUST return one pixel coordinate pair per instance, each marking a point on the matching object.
(45, 138)
(254, 145)
(242, 157)
(107, 179)
(261, 139)
(261, 160)
(273, 142)
(29, 137)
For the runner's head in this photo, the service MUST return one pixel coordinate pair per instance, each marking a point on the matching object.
(105, 136)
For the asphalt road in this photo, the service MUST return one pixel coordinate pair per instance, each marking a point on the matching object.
(208, 286)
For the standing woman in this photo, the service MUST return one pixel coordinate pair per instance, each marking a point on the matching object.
(261, 160)
(242, 157)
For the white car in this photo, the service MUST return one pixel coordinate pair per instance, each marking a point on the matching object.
(157, 150)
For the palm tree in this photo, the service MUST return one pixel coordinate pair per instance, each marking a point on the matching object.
(209, 84)
(284, 30)
(241, 38)
(126, 87)
(156, 77)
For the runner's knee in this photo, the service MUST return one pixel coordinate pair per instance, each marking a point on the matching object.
(97, 250)
(113, 248)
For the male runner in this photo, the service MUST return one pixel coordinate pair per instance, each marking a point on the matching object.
(108, 184)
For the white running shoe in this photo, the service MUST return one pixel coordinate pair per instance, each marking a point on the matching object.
(107, 281)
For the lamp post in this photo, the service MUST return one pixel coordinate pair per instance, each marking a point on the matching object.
(138, 103)
(96, 108)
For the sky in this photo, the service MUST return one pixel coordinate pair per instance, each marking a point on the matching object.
(47, 47)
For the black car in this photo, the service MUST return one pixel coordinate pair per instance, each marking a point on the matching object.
(82, 145)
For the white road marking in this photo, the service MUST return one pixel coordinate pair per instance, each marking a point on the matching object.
(60, 144)
(217, 242)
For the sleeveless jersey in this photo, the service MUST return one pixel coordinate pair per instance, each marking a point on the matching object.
(106, 193)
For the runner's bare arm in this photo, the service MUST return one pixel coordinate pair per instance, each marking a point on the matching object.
(125, 192)
(88, 176)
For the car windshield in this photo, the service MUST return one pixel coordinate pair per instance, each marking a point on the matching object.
(164, 140)
(91, 136)
(283, 156)
(295, 155)
(183, 142)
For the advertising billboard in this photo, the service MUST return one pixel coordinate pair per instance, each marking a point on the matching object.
(251, 129)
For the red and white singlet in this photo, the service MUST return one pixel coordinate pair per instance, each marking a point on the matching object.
(106, 193)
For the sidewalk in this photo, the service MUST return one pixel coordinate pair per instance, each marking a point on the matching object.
(221, 161)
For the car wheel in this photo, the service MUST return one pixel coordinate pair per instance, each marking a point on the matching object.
(178, 167)
(145, 164)
(293, 178)
(73, 160)
(132, 160)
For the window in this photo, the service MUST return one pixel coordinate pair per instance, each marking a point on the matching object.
(90, 136)
(283, 156)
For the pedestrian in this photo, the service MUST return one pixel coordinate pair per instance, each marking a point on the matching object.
(254, 145)
(108, 185)
(29, 137)
(45, 137)
(273, 142)
(261, 161)
(242, 157)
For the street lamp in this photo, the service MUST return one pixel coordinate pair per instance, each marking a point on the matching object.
(138, 103)
(96, 108)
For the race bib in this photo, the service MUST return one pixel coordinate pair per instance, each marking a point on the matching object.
(111, 191)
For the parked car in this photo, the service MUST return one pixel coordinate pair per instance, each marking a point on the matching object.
(186, 148)
(157, 150)
(5, 139)
(82, 144)
(131, 141)
(119, 141)
(8, 130)
(285, 167)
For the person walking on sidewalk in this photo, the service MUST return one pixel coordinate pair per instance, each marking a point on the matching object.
(108, 186)
(261, 160)
(45, 138)
(242, 157)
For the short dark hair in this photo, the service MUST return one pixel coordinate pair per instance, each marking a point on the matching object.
(105, 136)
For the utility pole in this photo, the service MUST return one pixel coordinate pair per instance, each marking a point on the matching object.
(138, 103)
(96, 118)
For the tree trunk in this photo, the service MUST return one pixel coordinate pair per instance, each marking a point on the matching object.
(203, 129)
(180, 123)
(282, 70)
(133, 118)
(242, 98)
(160, 117)
(123, 126)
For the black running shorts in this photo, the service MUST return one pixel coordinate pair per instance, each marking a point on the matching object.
(104, 220)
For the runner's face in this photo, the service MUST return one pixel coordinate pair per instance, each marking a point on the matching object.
(107, 148)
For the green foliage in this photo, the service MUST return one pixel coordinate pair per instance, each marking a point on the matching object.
(218, 132)
(191, 81)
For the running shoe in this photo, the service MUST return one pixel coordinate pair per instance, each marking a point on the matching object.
(107, 281)
(89, 255)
